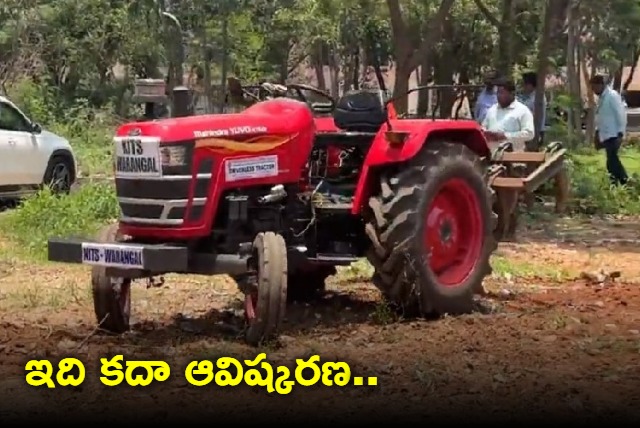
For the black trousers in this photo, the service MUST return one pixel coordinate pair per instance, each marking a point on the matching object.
(617, 173)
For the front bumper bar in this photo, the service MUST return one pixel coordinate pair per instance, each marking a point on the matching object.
(150, 258)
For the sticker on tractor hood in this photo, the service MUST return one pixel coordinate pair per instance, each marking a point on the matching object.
(138, 157)
(247, 168)
(236, 130)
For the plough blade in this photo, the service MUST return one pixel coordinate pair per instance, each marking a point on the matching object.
(549, 165)
(520, 157)
(552, 164)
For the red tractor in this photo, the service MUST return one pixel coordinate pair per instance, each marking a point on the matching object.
(277, 198)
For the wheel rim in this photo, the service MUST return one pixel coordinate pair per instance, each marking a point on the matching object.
(454, 232)
(60, 178)
(122, 291)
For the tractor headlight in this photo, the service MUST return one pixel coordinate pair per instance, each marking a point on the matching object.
(173, 156)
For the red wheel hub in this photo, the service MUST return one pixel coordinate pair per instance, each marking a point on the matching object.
(454, 232)
(250, 305)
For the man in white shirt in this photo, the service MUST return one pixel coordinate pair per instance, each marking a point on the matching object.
(509, 120)
(611, 125)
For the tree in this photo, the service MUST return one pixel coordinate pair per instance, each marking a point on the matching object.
(407, 53)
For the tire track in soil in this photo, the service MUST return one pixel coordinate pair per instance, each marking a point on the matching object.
(567, 348)
(562, 349)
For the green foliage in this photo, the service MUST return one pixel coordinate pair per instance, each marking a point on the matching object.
(45, 215)
(592, 191)
(88, 129)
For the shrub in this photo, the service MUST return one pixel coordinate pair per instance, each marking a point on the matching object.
(45, 215)
(88, 129)
(593, 194)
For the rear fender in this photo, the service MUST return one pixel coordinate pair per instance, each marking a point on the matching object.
(420, 132)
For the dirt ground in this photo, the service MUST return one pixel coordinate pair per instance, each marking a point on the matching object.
(558, 336)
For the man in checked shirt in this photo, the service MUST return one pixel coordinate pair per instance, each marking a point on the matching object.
(528, 98)
(487, 98)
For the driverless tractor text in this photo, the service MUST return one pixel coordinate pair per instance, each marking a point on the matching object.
(225, 371)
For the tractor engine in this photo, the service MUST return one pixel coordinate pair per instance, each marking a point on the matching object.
(331, 176)
(335, 163)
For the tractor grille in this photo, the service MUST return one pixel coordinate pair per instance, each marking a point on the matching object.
(162, 201)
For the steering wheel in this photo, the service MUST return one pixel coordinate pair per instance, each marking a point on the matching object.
(327, 107)
(245, 94)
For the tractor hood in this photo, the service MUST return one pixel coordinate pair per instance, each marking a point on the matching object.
(274, 117)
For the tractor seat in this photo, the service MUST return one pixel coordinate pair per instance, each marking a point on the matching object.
(361, 110)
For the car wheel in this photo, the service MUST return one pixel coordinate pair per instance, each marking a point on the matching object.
(58, 176)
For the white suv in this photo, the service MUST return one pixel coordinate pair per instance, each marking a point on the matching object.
(31, 157)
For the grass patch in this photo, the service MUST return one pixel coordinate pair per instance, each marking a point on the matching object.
(93, 147)
(504, 267)
(592, 192)
(355, 272)
(57, 297)
(630, 157)
(45, 215)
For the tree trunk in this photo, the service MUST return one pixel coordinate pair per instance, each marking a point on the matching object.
(574, 113)
(505, 28)
(590, 95)
(506, 38)
(408, 58)
(543, 64)
(356, 68)
(377, 69)
(334, 72)
(401, 86)
(318, 67)
(617, 76)
(283, 72)
(225, 61)
(634, 65)
(374, 59)
(444, 97)
(424, 96)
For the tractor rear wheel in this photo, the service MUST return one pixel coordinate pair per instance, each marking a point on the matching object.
(266, 304)
(111, 295)
(432, 231)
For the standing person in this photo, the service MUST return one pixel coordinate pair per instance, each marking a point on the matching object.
(460, 108)
(528, 98)
(611, 124)
(486, 98)
(509, 119)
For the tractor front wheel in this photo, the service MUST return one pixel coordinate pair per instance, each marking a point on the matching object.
(432, 231)
(266, 302)
(111, 295)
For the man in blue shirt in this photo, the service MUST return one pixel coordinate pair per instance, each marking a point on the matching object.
(487, 98)
(611, 124)
(528, 98)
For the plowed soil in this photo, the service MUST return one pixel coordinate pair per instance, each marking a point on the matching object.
(558, 335)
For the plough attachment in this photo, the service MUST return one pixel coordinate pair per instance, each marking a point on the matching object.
(515, 174)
